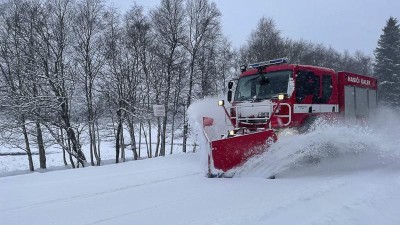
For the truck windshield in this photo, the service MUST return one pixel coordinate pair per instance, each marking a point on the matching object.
(263, 85)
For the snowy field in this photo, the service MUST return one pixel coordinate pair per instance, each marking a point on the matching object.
(332, 175)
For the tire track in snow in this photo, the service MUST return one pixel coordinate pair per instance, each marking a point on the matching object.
(92, 195)
(147, 209)
(303, 202)
(306, 206)
(357, 210)
(263, 207)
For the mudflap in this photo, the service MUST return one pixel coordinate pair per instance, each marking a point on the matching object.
(232, 152)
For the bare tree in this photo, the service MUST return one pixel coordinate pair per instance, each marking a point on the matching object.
(168, 22)
(265, 42)
(118, 69)
(16, 69)
(138, 42)
(203, 21)
(225, 66)
(54, 36)
(89, 57)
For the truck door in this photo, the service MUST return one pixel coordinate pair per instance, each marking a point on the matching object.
(307, 87)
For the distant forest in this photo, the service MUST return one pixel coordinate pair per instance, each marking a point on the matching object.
(74, 72)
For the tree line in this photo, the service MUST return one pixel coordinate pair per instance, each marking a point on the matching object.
(266, 42)
(76, 72)
(73, 72)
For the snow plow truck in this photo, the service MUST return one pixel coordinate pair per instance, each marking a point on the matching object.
(274, 95)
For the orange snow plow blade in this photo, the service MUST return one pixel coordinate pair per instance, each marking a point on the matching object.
(232, 151)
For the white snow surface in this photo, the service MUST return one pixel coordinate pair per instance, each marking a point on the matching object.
(335, 174)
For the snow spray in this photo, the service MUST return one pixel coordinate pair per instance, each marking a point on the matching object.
(331, 148)
(327, 148)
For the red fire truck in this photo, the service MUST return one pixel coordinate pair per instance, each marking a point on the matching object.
(273, 95)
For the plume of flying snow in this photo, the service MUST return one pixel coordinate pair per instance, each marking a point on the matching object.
(207, 107)
(331, 148)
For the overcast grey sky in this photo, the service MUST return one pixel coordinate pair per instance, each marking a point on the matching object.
(343, 24)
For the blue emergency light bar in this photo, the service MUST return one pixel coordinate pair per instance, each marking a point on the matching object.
(268, 63)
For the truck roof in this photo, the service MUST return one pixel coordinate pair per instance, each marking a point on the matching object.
(286, 67)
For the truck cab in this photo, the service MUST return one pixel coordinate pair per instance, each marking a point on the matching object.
(272, 95)
(308, 91)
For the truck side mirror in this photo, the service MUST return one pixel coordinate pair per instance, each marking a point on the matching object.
(230, 85)
(229, 96)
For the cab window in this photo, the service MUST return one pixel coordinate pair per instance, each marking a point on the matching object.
(326, 88)
(306, 84)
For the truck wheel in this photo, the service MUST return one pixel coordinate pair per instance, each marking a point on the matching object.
(307, 124)
(269, 141)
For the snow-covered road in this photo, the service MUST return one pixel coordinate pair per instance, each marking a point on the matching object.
(335, 174)
(174, 190)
